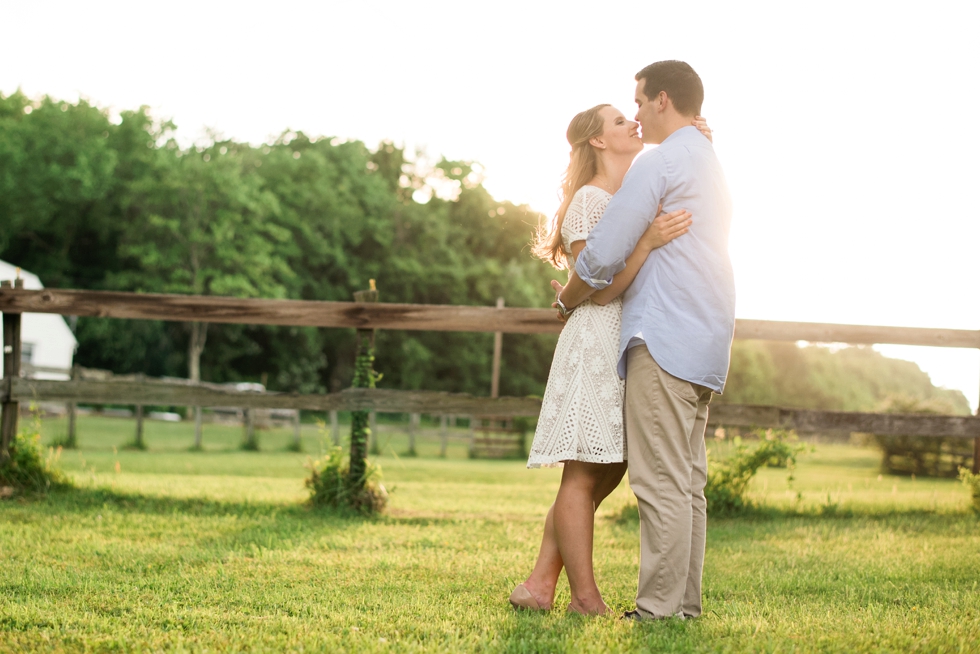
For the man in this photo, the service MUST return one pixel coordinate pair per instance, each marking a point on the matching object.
(678, 322)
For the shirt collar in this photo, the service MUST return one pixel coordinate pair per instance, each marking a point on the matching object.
(682, 134)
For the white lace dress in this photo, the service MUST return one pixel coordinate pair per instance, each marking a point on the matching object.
(582, 411)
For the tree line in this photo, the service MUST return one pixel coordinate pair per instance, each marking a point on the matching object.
(99, 201)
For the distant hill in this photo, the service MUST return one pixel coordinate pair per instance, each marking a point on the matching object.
(818, 377)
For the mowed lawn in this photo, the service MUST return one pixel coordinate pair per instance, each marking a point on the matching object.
(174, 550)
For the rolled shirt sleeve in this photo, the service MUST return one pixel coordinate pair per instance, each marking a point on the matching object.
(628, 215)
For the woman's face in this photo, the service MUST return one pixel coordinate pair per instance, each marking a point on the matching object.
(619, 136)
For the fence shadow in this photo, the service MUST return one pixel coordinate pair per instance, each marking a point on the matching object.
(86, 499)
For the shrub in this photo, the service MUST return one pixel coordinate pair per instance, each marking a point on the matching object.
(27, 469)
(332, 486)
(924, 456)
(972, 482)
(729, 479)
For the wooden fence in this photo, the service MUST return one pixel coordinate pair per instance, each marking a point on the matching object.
(15, 301)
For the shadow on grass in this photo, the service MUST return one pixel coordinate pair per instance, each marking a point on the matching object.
(87, 499)
(84, 500)
(629, 516)
(558, 631)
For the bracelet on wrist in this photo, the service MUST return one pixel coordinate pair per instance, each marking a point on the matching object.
(562, 309)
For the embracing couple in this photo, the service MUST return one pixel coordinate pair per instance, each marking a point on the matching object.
(649, 311)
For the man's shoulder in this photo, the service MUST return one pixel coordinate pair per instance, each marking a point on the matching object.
(652, 158)
(649, 164)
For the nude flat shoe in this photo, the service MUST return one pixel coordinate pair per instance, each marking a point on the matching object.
(522, 598)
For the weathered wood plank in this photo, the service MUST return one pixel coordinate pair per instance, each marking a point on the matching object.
(203, 394)
(808, 420)
(437, 403)
(190, 308)
(432, 317)
(29, 369)
(771, 330)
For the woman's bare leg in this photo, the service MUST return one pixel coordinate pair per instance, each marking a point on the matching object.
(574, 524)
(544, 577)
(604, 478)
(613, 474)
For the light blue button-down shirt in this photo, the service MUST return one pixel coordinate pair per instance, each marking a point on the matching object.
(682, 301)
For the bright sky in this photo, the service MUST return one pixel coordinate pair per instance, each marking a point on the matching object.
(846, 129)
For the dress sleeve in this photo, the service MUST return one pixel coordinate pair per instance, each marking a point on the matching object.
(576, 225)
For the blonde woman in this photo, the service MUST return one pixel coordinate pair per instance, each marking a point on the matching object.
(581, 423)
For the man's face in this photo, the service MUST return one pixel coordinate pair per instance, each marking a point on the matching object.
(647, 115)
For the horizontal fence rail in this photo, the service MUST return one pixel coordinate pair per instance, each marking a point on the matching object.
(153, 392)
(811, 420)
(814, 332)
(432, 317)
(299, 313)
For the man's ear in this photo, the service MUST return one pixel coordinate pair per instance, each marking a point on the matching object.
(663, 101)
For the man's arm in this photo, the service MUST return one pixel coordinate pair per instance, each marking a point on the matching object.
(614, 238)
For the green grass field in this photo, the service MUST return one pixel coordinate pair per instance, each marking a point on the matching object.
(174, 550)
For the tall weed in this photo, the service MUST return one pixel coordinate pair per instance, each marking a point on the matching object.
(972, 482)
(332, 485)
(728, 479)
(27, 469)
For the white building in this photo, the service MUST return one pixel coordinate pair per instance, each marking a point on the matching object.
(46, 339)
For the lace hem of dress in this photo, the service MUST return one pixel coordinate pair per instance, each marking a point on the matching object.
(558, 460)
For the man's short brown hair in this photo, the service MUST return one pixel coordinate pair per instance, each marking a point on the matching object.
(678, 80)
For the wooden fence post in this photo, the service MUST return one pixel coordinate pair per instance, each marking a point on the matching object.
(11, 371)
(251, 442)
(198, 428)
(443, 435)
(335, 428)
(976, 456)
(297, 443)
(364, 378)
(71, 439)
(138, 441)
(498, 346)
(976, 450)
(414, 419)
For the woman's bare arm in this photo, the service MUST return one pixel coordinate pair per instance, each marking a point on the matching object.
(622, 280)
(665, 228)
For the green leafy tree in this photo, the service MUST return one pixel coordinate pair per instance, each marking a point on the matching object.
(89, 200)
(203, 226)
(815, 377)
(57, 169)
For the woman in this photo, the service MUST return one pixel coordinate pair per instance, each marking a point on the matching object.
(581, 422)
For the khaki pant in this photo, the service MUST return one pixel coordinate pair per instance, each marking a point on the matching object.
(665, 423)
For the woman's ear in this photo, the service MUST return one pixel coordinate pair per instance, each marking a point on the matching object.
(597, 142)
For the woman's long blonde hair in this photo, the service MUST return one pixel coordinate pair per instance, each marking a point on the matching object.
(583, 164)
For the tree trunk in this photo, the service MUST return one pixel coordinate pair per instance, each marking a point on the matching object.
(199, 336)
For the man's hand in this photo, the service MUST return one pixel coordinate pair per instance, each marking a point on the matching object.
(558, 289)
